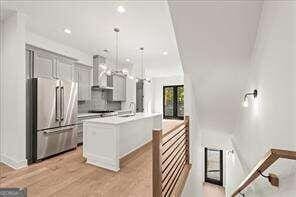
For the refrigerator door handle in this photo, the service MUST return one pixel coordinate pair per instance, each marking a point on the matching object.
(60, 130)
(56, 104)
(62, 103)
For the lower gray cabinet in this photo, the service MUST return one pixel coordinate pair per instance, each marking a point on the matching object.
(79, 133)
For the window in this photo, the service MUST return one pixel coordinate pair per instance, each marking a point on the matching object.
(214, 166)
(173, 102)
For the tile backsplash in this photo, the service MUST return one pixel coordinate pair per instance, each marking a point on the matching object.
(98, 102)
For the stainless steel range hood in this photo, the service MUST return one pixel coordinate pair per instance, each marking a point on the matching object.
(99, 74)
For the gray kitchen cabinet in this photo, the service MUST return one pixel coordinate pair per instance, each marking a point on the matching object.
(84, 79)
(65, 69)
(118, 82)
(44, 65)
(48, 64)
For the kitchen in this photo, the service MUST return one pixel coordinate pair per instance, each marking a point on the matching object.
(65, 96)
(74, 82)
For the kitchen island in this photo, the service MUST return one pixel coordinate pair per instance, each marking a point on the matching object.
(108, 139)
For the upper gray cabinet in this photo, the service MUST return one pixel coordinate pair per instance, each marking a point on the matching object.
(83, 75)
(65, 69)
(44, 65)
(118, 82)
(47, 64)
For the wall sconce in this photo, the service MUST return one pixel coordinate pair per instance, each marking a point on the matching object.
(245, 101)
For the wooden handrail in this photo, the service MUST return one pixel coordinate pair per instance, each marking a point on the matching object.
(271, 157)
(170, 160)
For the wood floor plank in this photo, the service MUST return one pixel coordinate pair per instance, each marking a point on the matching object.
(68, 175)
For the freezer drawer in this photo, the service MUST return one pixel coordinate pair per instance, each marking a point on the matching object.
(53, 141)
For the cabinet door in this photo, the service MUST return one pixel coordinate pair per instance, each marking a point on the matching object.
(84, 83)
(44, 65)
(119, 88)
(84, 92)
(84, 75)
(65, 69)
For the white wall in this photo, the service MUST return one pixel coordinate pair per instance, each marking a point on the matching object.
(44, 43)
(270, 121)
(13, 92)
(193, 185)
(158, 84)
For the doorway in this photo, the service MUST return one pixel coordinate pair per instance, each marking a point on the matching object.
(214, 166)
(173, 102)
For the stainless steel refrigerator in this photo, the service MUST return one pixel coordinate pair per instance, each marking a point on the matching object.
(52, 117)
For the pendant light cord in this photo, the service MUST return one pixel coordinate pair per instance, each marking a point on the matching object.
(117, 47)
(117, 50)
(142, 63)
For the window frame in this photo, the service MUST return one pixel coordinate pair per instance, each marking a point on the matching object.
(175, 102)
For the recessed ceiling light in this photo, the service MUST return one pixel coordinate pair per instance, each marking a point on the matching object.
(67, 31)
(128, 59)
(165, 53)
(120, 9)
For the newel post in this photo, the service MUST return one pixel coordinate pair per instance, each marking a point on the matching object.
(187, 139)
(156, 172)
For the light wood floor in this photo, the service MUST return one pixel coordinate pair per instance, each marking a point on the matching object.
(211, 190)
(68, 175)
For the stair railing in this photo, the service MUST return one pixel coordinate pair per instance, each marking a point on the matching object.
(171, 160)
(271, 157)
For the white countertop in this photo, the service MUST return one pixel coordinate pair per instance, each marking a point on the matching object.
(81, 115)
(119, 120)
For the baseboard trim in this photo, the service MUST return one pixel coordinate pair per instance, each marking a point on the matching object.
(12, 163)
(135, 151)
(103, 162)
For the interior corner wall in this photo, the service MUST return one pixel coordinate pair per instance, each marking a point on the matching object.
(193, 186)
(13, 92)
(157, 92)
(269, 122)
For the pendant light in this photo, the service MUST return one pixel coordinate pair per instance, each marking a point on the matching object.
(143, 77)
(117, 71)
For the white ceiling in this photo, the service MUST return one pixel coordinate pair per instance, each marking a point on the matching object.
(215, 40)
(145, 24)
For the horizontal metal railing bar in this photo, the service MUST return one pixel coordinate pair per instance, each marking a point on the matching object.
(164, 143)
(171, 145)
(176, 180)
(180, 160)
(183, 149)
(173, 175)
(184, 140)
(180, 168)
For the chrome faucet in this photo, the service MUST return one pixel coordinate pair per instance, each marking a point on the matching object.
(132, 107)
